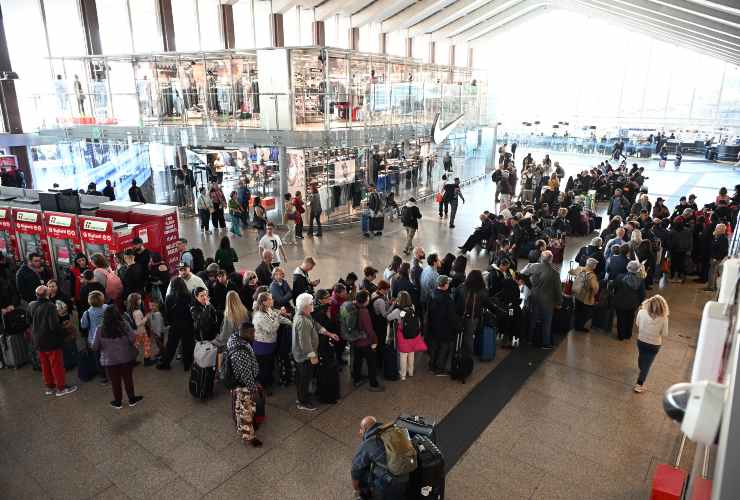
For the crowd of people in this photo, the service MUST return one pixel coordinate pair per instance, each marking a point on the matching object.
(273, 326)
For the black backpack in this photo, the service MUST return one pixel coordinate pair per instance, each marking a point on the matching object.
(199, 260)
(406, 217)
(410, 324)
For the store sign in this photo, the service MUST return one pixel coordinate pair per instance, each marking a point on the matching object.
(3, 213)
(31, 217)
(439, 132)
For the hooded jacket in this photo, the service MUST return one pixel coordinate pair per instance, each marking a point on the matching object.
(546, 287)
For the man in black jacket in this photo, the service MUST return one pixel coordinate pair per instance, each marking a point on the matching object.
(48, 338)
(301, 282)
(264, 270)
(410, 215)
(28, 277)
(443, 325)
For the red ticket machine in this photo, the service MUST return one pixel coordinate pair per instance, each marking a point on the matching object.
(104, 236)
(7, 234)
(30, 233)
(159, 230)
(64, 243)
(118, 210)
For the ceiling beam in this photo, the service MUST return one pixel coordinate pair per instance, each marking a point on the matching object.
(378, 10)
(656, 24)
(499, 20)
(356, 6)
(690, 30)
(486, 38)
(329, 8)
(283, 6)
(413, 14)
(473, 18)
(659, 32)
(723, 11)
(445, 16)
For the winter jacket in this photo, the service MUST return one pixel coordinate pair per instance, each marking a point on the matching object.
(410, 215)
(428, 282)
(720, 247)
(546, 288)
(301, 282)
(682, 241)
(314, 200)
(281, 293)
(369, 466)
(616, 266)
(243, 361)
(46, 329)
(116, 350)
(27, 280)
(205, 321)
(306, 333)
(266, 326)
(443, 321)
(628, 292)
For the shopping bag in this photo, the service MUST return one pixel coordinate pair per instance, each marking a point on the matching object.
(663, 281)
(438, 198)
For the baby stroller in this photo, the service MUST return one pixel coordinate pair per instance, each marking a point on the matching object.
(391, 207)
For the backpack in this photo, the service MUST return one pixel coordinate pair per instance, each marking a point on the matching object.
(410, 324)
(348, 321)
(199, 260)
(113, 286)
(228, 377)
(580, 284)
(15, 322)
(400, 454)
(407, 218)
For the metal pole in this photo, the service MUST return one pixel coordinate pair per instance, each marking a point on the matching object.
(130, 26)
(283, 165)
(197, 21)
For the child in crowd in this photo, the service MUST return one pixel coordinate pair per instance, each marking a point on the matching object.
(137, 321)
(90, 322)
(156, 326)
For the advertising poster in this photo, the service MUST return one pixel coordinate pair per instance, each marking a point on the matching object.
(8, 161)
(344, 171)
(296, 171)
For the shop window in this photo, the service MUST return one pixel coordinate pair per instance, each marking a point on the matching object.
(115, 35)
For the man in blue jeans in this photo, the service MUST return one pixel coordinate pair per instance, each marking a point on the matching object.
(546, 294)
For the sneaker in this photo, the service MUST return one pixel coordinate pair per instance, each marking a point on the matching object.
(132, 402)
(255, 442)
(358, 383)
(547, 347)
(403, 377)
(376, 388)
(306, 407)
(452, 226)
(116, 405)
(50, 391)
(638, 388)
(68, 389)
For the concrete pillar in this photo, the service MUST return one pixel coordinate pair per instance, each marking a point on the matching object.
(354, 39)
(283, 165)
(452, 56)
(226, 15)
(318, 33)
(166, 25)
(409, 47)
(470, 57)
(432, 57)
(383, 43)
(89, 11)
(277, 35)
(11, 115)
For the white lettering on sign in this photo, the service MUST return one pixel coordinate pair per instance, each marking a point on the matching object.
(95, 225)
(144, 235)
(60, 220)
(27, 216)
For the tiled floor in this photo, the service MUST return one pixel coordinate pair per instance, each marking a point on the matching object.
(574, 430)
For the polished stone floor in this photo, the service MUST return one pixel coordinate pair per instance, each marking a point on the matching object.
(573, 430)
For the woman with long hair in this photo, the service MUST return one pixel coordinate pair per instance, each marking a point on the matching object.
(267, 321)
(226, 255)
(137, 321)
(235, 315)
(471, 298)
(652, 323)
(407, 342)
(117, 354)
(177, 314)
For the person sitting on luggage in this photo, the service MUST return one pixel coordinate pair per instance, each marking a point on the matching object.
(370, 476)
(245, 368)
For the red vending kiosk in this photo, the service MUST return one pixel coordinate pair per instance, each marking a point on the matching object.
(118, 210)
(7, 234)
(104, 236)
(64, 244)
(30, 233)
(159, 229)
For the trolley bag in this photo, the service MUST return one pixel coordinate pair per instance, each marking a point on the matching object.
(427, 482)
(601, 318)
(15, 322)
(487, 342)
(327, 374)
(462, 364)
(390, 359)
(201, 381)
(562, 319)
(70, 354)
(14, 350)
(669, 481)
(365, 223)
(416, 424)
(377, 224)
(87, 368)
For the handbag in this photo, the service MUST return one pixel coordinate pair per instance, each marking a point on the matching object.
(438, 197)
(665, 265)
(204, 354)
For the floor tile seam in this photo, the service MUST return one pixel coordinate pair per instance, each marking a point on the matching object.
(112, 485)
(583, 370)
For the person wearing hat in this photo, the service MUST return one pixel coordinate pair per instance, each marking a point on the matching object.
(444, 325)
(585, 288)
(593, 251)
(627, 295)
(191, 281)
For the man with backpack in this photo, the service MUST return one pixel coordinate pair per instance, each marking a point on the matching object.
(585, 288)
(357, 329)
(410, 215)
(372, 467)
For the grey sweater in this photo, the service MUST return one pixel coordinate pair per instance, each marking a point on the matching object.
(305, 337)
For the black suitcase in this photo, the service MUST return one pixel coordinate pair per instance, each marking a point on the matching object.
(562, 319)
(462, 364)
(390, 361)
(201, 381)
(15, 322)
(377, 224)
(13, 350)
(602, 319)
(427, 482)
(416, 424)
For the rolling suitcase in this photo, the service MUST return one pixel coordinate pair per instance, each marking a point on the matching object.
(428, 480)
(201, 381)
(14, 350)
(327, 375)
(562, 319)
(390, 362)
(462, 364)
(259, 413)
(487, 343)
(416, 424)
(86, 367)
(377, 224)
(70, 355)
(601, 319)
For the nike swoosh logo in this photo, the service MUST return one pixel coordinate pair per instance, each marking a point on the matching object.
(439, 134)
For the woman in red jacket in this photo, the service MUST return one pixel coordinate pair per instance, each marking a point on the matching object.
(299, 210)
